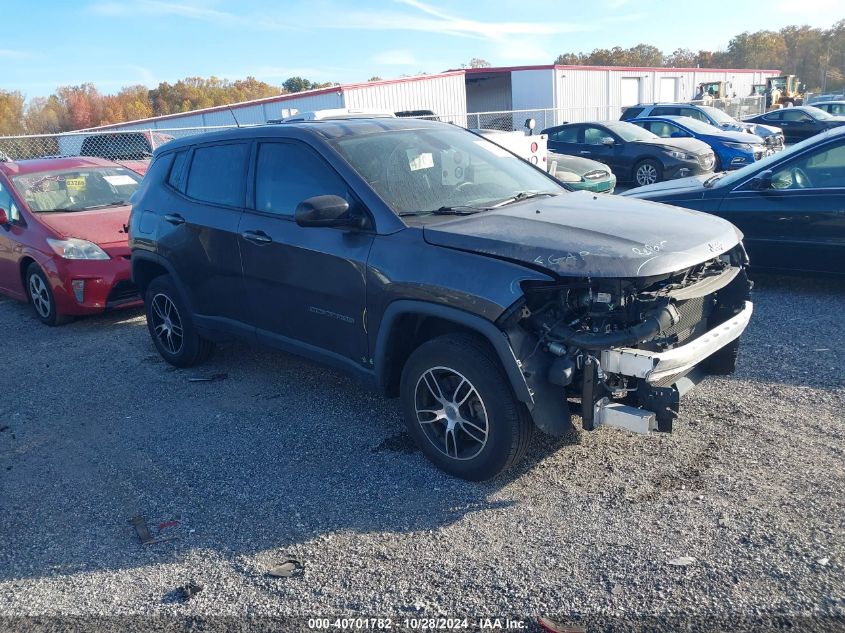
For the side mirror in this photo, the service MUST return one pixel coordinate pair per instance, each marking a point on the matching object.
(325, 211)
(678, 135)
(4, 217)
(607, 140)
(762, 181)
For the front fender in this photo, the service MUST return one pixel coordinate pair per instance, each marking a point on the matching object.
(497, 339)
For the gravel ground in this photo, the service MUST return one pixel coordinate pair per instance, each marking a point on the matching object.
(283, 459)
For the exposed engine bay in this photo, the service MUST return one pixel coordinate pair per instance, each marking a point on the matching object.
(593, 339)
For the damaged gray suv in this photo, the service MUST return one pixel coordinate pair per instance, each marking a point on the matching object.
(440, 268)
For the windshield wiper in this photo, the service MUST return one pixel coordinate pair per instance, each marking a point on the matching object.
(455, 210)
(523, 195)
(114, 203)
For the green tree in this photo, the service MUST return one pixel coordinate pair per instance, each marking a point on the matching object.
(297, 84)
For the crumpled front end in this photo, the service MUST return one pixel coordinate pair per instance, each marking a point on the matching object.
(628, 348)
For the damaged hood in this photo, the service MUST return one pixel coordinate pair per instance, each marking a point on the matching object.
(580, 234)
(101, 226)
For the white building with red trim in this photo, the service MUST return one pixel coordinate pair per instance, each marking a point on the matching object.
(573, 93)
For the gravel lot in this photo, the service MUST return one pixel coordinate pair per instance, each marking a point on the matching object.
(284, 458)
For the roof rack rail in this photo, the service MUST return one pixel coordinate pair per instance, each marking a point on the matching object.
(335, 114)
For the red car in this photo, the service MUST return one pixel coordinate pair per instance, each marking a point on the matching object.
(63, 235)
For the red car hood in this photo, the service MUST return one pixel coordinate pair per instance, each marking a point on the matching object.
(101, 226)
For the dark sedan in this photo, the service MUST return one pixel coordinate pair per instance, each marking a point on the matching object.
(632, 153)
(790, 206)
(799, 122)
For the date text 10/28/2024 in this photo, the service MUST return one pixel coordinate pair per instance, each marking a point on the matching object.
(417, 624)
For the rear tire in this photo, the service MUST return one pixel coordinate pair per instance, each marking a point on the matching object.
(460, 409)
(171, 325)
(648, 172)
(41, 297)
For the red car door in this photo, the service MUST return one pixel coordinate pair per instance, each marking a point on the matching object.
(9, 273)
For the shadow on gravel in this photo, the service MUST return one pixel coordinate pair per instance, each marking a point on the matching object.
(273, 453)
(266, 455)
(795, 336)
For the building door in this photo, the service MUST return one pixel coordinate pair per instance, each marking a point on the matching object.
(630, 91)
(668, 89)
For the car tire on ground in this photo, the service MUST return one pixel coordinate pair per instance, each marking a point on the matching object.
(172, 327)
(41, 297)
(647, 172)
(460, 409)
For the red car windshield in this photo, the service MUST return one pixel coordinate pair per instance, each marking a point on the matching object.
(77, 189)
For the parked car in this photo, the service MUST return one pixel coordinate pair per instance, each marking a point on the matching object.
(123, 146)
(484, 303)
(582, 173)
(63, 235)
(732, 149)
(836, 108)
(772, 135)
(790, 206)
(799, 122)
(632, 153)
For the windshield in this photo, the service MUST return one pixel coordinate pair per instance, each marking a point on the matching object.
(629, 131)
(817, 113)
(76, 189)
(753, 168)
(719, 116)
(425, 171)
(699, 127)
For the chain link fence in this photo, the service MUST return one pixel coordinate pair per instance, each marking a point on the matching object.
(139, 144)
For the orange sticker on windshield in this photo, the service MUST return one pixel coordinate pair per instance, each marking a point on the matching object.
(75, 183)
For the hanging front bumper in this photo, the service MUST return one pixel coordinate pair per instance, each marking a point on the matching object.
(654, 367)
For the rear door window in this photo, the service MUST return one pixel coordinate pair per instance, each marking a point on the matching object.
(218, 174)
(565, 135)
(695, 114)
(631, 113)
(666, 111)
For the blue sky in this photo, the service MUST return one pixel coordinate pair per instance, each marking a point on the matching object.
(112, 43)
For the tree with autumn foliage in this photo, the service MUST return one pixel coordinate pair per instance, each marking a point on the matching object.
(816, 55)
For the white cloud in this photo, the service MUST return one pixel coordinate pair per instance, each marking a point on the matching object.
(160, 7)
(396, 57)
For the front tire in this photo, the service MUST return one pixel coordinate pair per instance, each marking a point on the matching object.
(172, 327)
(648, 172)
(460, 409)
(41, 297)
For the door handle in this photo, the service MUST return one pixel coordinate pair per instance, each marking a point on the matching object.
(256, 237)
(174, 218)
(585, 151)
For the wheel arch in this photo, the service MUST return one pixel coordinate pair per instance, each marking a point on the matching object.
(24, 264)
(406, 324)
(147, 266)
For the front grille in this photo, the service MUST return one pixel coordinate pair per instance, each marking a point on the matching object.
(122, 292)
(707, 160)
(595, 174)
